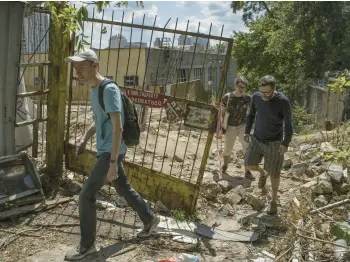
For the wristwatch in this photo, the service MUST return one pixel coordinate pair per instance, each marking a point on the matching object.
(113, 161)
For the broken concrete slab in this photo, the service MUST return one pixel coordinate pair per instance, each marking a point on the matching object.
(320, 201)
(215, 233)
(287, 163)
(225, 186)
(336, 173)
(327, 147)
(235, 195)
(254, 201)
(211, 191)
(323, 187)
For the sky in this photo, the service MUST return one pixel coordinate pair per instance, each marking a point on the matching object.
(201, 14)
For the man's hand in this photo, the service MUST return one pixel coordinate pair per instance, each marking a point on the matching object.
(81, 148)
(283, 149)
(247, 138)
(112, 172)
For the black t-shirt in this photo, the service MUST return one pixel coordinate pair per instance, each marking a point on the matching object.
(237, 107)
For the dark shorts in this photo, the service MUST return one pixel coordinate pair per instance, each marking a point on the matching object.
(273, 160)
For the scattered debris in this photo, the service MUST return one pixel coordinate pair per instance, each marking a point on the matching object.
(320, 201)
(34, 207)
(225, 185)
(254, 201)
(211, 191)
(235, 195)
(287, 163)
(336, 173)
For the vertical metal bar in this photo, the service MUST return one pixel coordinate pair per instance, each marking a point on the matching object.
(166, 81)
(143, 85)
(137, 73)
(127, 66)
(120, 35)
(188, 82)
(202, 77)
(38, 114)
(70, 96)
(92, 33)
(155, 146)
(149, 49)
(213, 115)
(109, 46)
(177, 82)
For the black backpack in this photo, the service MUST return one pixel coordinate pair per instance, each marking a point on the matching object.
(131, 129)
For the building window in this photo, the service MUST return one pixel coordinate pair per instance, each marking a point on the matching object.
(131, 80)
(181, 75)
(197, 73)
(36, 80)
(211, 74)
(109, 77)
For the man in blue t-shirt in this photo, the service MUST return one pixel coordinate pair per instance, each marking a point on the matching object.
(111, 150)
(271, 111)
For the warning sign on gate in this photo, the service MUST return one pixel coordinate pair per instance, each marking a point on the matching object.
(145, 98)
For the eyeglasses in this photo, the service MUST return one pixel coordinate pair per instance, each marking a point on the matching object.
(266, 93)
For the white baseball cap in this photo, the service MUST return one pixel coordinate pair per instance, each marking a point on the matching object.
(86, 55)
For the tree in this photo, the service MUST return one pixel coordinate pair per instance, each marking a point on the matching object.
(250, 9)
(72, 18)
(297, 42)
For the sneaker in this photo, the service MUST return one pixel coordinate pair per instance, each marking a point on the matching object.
(147, 230)
(273, 209)
(79, 253)
(224, 169)
(249, 175)
(262, 181)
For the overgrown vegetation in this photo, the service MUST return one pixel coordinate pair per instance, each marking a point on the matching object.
(181, 215)
(71, 18)
(297, 42)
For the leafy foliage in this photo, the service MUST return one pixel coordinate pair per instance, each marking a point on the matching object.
(296, 42)
(71, 18)
(341, 82)
(251, 9)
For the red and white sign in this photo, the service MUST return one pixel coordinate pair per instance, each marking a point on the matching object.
(145, 98)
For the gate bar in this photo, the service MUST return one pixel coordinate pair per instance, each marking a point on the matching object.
(167, 30)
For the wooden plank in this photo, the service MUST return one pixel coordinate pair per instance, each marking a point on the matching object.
(20, 195)
(34, 64)
(31, 208)
(56, 99)
(33, 93)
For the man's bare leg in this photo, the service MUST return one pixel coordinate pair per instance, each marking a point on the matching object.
(275, 184)
(262, 177)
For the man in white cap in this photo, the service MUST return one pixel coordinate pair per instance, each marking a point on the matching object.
(111, 150)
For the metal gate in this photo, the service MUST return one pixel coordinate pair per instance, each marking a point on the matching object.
(31, 108)
(175, 87)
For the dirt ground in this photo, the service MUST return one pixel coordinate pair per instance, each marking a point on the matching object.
(46, 236)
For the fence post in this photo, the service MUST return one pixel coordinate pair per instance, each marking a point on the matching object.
(56, 100)
(213, 118)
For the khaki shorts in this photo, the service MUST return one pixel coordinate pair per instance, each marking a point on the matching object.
(230, 138)
(273, 160)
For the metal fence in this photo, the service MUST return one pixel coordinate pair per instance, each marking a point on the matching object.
(31, 111)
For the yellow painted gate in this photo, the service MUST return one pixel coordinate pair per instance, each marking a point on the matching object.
(175, 78)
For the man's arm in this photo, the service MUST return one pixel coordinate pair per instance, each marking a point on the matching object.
(117, 134)
(251, 117)
(288, 127)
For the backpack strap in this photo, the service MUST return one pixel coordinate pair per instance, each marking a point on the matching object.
(101, 88)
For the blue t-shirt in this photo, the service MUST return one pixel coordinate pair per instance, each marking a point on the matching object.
(104, 127)
(269, 118)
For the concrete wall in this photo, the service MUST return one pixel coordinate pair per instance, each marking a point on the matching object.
(323, 104)
(157, 56)
(11, 19)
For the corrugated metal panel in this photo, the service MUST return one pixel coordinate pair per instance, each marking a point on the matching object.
(11, 19)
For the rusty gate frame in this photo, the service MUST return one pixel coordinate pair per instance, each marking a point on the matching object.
(172, 191)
